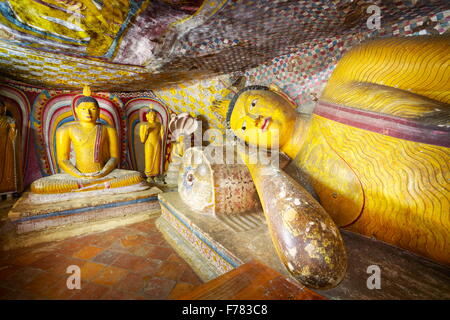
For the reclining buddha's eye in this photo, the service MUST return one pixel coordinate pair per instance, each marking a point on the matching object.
(253, 104)
(244, 125)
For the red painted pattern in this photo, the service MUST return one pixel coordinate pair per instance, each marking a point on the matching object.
(385, 124)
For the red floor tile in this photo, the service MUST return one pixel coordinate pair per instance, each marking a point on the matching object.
(189, 276)
(133, 262)
(159, 252)
(41, 282)
(157, 239)
(87, 252)
(170, 270)
(107, 256)
(20, 295)
(90, 270)
(109, 276)
(30, 257)
(159, 289)
(103, 240)
(19, 279)
(136, 264)
(141, 251)
(146, 226)
(118, 295)
(133, 240)
(59, 291)
(180, 289)
(132, 282)
(69, 247)
(89, 291)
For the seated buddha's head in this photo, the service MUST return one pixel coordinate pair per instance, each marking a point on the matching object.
(86, 107)
(261, 117)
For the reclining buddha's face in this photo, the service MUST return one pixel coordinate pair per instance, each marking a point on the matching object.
(263, 118)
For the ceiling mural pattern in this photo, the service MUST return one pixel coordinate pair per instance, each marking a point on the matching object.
(198, 99)
(132, 45)
(55, 70)
(302, 75)
(85, 27)
(246, 34)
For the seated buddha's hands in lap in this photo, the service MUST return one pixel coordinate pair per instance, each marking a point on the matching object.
(109, 166)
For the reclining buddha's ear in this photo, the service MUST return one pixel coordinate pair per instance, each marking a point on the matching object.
(273, 87)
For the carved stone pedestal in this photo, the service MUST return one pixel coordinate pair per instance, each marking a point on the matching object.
(32, 223)
(215, 245)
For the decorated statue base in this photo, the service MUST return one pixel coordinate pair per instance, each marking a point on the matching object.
(34, 222)
(215, 245)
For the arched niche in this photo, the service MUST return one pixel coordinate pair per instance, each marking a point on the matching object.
(19, 108)
(135, 115)
(52, 110)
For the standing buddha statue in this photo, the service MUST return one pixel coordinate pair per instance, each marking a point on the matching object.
(152, 134)
(10, 173)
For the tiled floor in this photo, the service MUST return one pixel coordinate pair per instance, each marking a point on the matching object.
(132, 262)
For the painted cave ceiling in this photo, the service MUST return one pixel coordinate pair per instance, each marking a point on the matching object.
(133, 45)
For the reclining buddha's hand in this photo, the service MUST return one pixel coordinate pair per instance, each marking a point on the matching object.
(305, 237)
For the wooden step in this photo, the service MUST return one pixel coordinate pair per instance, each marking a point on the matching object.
(251, 281)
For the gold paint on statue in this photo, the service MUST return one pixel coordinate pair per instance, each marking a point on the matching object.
(10, 169)
(178, 147)
(374, 183)
(152, 134)
(96, 151)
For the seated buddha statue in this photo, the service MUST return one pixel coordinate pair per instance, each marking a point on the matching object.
(96, 152)
(375, 152)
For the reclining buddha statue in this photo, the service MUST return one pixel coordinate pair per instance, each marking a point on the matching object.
(374, 152)
(96, 152)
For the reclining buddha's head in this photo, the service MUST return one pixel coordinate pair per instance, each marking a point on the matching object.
(261, 117)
